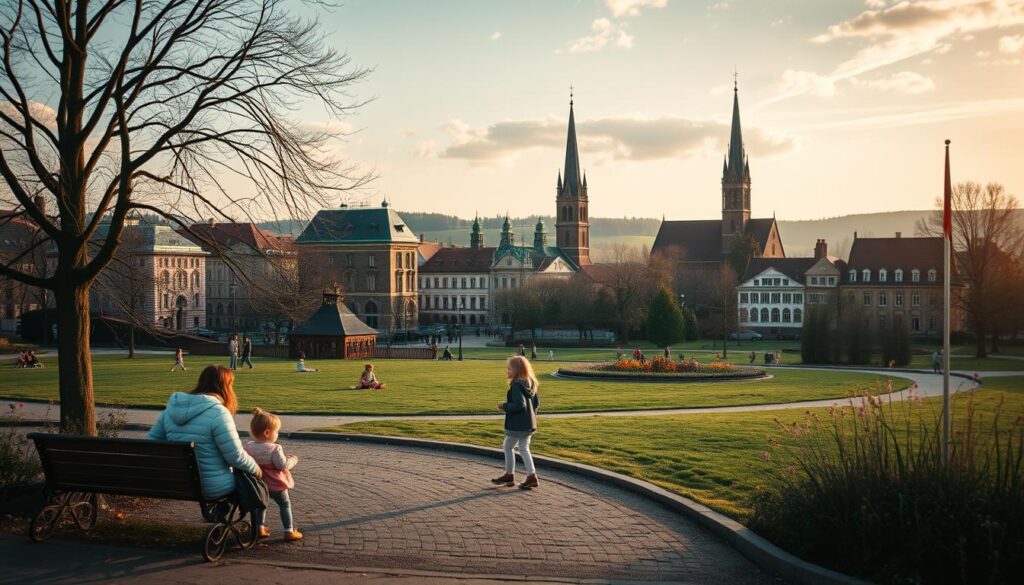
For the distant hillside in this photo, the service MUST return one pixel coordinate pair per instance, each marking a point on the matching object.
(797, 236)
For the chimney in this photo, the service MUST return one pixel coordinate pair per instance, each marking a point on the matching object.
(820, 249)
(855, 235)
(40, 202)
(899, 235)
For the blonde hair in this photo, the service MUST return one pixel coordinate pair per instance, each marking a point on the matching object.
(522, 370)
(368, 368)
(263, 421)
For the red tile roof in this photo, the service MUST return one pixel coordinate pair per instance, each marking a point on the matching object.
(452, 259)
(228, 235)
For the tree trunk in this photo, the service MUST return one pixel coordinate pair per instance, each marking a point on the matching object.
(77, 404)
(979, 339)
(131, 340)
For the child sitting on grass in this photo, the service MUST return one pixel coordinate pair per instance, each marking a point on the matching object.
(276, 466)
(369, 380)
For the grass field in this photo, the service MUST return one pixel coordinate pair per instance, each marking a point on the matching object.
(711, 458)
(423, 387)
(736, 355)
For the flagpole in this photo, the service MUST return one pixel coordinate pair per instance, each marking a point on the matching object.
(947, 241)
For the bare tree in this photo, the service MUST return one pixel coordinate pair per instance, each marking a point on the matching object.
(127, 283)
(989, 241)
(723, 306)
(184, 108)
(282, 298)
(627, 278)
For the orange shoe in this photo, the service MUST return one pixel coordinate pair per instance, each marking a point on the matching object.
(293, 535)
(264, 532)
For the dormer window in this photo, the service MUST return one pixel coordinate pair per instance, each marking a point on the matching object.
(898, 275)
(853, 276)
(932, 275)
(883, 275)
(915, 275)
(866, 275)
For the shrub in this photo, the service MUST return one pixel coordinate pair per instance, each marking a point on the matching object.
(18, 462)
(865, 492)
(664, 320)
(691, 332)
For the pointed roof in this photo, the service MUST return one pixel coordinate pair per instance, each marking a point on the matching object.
(572, 157)
(737, 154)
(333, 319)
(357, 225)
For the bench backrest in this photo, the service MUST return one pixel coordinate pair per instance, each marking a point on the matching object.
(126, 467)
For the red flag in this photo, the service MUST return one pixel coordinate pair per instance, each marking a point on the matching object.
(947, 202)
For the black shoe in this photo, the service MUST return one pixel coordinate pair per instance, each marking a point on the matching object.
(507, 480)
(530, 483)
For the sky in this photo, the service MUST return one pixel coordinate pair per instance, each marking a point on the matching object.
(845, 104)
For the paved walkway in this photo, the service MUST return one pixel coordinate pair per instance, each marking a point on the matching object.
(400, 508)
(923, 384)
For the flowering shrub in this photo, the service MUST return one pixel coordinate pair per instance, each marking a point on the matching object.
(660, 364)
(659, 368)
(864, 490)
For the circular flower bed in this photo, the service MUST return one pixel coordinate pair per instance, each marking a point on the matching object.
(661, 369)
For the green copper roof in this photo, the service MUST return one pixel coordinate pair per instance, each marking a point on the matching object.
(357, 225)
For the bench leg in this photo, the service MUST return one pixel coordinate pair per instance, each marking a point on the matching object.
(83, 508)
(233, 523)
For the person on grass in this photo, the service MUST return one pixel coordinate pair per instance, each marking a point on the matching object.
(233, 352)
(300, 366)
(203, 417)
(179, 361)
(520, 408)
(247, 351)
(368, 381)
(264, 428)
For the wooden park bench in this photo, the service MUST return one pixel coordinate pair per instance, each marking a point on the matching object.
(79, 468)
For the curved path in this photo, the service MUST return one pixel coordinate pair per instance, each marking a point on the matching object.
(362, 505)
(924, 384)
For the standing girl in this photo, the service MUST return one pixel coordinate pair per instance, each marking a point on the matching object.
(276, 467)
(179, 361)
(520, 408)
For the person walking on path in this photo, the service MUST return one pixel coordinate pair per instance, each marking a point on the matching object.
(533, 352)
(520, 408)
(551, 355)
(936, 362)
(753, 358)
(264, 428)
(668, 353)
(447, 355)
(522, 350)
(233, 352)
(179, 361)
(204, 418)
(247, 351)
(433, 351)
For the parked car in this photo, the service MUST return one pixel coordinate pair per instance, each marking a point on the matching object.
(204, 332)
(744, 336)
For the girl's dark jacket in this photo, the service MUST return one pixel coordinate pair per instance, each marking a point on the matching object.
(521, 404)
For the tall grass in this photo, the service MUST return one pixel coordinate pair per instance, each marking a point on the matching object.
(864, 490)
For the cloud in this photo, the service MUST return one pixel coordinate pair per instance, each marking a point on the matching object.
(721, 6)
(916, 115)
(38, 111)
(495, 35)
(623, 138)
(904, 82)
(875, 3)
(1011, 45)
(622, 8)
(801, 82)
(605, 32)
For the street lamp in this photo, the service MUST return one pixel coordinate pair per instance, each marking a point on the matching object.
(460, 304)
(682, 300)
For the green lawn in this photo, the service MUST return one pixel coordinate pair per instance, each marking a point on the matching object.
(736, 355)
(711, 458)
(971, 364)
(423, 387)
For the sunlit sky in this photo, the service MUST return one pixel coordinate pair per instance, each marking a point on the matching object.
(845, 104)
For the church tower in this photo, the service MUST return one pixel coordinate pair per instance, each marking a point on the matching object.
(735, 180)
(476, 238)
(572, 226)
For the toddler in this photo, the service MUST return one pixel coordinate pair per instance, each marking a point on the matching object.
(275, 465)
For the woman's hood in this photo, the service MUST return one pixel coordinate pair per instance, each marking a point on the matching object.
(183, 406)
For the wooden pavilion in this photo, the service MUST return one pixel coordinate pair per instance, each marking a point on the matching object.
(333, 332)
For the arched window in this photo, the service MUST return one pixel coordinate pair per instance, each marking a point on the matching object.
(883, 274)
(798, 315)
(195, 279)
(866, 275)
(744, 316)
(898, 275)
(785, 315)
(165, 278)
(915, 275)
(775, 315)
(932, 275)
(398, 259)
(764, 315)
(853, 276)
(753, 315)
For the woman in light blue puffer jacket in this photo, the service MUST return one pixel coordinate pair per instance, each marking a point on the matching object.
(204, 416)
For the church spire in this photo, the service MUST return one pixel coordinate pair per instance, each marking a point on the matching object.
(572, 177)
(737, 154)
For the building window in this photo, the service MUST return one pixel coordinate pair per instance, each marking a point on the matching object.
(472, 282)
(764, 315)
(785, 315)
(371, 260)
(463, 282)
(898, 275)
(932, 275)
(472, 303)
(853, 276)
(424, 282)
(867, 299)
(196, 299)
(776, 297)
(915, 300)
(483, 305)
(167, 301)
(371, 282)
(195, 321)
(866, 275)
(882, 275)
(785, 282)
(899, 299)
(831, 280)
(883, 299)
(798, 315)
(483, 282)
(513, 282)
(444, 282)
(915, 275)
(775, 315)
(757, 282)
(798, 298)
(398, 281)
(753, 315)
(744, 316)
(814, 280)
(744, 298)
(915, 324)
(787, 298)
